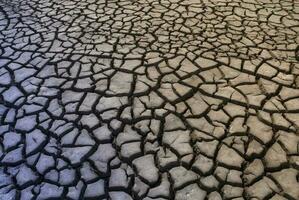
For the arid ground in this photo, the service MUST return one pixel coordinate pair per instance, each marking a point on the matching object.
(149, 99)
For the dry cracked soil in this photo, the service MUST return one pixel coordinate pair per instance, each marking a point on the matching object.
(149, 99)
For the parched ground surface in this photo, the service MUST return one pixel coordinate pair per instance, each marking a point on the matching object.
(148, 99)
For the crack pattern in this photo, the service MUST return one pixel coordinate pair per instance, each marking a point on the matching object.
(168, 99)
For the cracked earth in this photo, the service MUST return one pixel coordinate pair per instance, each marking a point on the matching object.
(148, 99)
